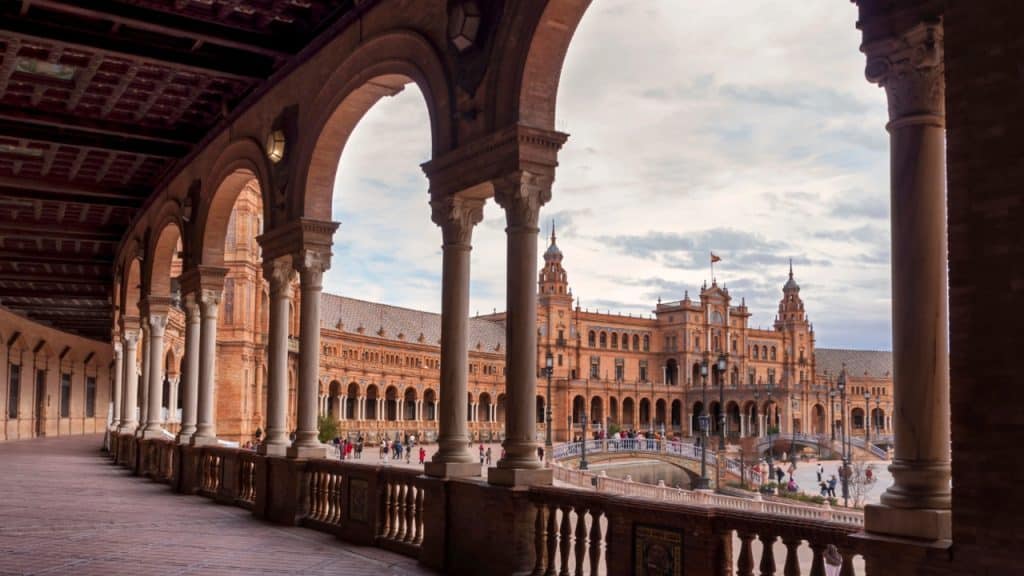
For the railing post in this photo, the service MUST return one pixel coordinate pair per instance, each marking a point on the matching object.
(564, 543)
(595, 541)
(581, 538)
(552, 539)
(792, 567)
(745, 565)
(767, 555)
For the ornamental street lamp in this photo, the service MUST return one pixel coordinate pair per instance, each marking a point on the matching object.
(549, 368)
(721, 365)
(583, 428)
(867, 427)
(845, 474)
(792, 446)
(702, 483)
(770, 422)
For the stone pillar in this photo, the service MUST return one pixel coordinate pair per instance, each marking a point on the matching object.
(279, 274)
(910, 68)
(522, 196)
(456, 216)
(206, 428)
(118, 378)
(130, 341)
(157, 321)
(143, 385)
(311, 264)
(191, 376)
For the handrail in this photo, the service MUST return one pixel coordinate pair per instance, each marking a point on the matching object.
(673, 448)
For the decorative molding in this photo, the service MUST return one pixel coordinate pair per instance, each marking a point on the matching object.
(522, 194)
(279, 272)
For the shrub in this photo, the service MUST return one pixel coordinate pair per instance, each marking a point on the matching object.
(328, 428)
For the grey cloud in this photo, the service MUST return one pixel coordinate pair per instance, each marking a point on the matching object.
(857, 203)
(800, 97)
(866, 233)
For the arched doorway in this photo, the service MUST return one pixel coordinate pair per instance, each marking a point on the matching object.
(371, 403)
(698, 411)
(645, 413)
(352, 397)
(409, 405)
(483, 408)
(334, 400)
(732, 412)
(613, 411)
(818, 419)
(660, 408)
(628, 413)
(430, 405)
(391, 404)
(597, 412)
(579, 405)
(541, 414)
(672, 372)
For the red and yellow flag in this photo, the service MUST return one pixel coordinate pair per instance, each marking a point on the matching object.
(715, 258)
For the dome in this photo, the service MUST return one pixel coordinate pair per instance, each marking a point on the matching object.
(553, 252)
(791, 285)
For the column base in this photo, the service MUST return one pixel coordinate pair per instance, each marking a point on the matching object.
(183, 439)
(126, 430)
(520, 476)
(452, 469)
(307, 452)
(272, 449)
(202, 440)
(149, 434)
(919, 523)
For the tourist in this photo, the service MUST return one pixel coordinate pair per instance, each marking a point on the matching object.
(359, 448)
(833, 561)
(823, 486)
(423, 455)
(383, 448)
(408, 453)
(488, 455)
(482, 454)
(832, 486)
(398, 450)
(791, 485)
(540, 453)
(779, 474)
(821, 471)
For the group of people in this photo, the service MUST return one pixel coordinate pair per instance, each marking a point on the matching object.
(399, 447)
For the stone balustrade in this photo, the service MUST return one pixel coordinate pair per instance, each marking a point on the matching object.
(550, 530)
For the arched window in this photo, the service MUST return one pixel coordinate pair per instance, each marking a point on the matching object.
(773, 352)
(636, 342)
(756, 356)
(615, 340)
(604, 340)
(625, 341)
(591, 339)
(647, 343)
(764, 352)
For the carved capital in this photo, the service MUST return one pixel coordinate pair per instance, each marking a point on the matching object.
(157, 324)
(311, 265)
(117, 347)
(522, 194)
(191, 304)
(208, 301)
(130, 336)
(911, 69)
(279, 272)
(457, 216)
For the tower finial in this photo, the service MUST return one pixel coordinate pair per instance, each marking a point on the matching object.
(790, 267)
(552, 230)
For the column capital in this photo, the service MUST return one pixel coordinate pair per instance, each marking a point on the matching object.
(190, 303)
(157, 323)
(522, 194)
(312, 264)
(279, 272)
(209, 299)
(457, 215)
(911, 69)
(117, 346)
(130, 335)
(155, 305)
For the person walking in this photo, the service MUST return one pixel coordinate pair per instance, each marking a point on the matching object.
(482, 455)
(488, 455)
(833, 561)
(821, 471)
(423, 454)
(832, 486)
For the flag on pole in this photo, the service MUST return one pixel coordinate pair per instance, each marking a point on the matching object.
(715, 258)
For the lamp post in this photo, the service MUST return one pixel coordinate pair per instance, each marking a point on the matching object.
(584, 465)
(702, 483)
(722, 364)
(867, 423)
(769, 422)
(549, 368)
(845, 474)
(795, 404)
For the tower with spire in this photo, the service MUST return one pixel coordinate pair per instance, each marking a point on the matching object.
(798, 337)
(553, 281)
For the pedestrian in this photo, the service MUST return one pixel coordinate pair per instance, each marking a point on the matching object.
(540, 453)
(779, 474)
(359, 448)
(821, 471)
(833, 561)
(868, 473)
(408, 454)
(423, 454)
(823, 486)
(482, 454)
(488, 455)
(832, 486)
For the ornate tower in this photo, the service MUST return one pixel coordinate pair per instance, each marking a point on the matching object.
(798, 351)
(553, 280)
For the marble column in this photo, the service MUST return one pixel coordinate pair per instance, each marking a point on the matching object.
(143, 385)
(521, 196)
(154, 425)
(172, 398)
(130, 342)
(911, 69)
(311, 265)
(279, 274)
(206, 428)
(190, 391)
(456, 216)
(118, 378)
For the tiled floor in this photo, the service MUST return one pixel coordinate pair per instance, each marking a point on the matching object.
(65, 509)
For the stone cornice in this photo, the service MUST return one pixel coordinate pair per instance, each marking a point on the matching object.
(203, 277)
(292, 238)
(155, 305)
(512, 149)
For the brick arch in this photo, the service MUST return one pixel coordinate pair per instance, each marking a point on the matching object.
(131, 290)
(380, 66)
(527, 92)
(165, 238)
(241, 162)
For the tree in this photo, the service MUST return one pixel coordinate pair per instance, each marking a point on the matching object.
(862, 478)
(328, 428)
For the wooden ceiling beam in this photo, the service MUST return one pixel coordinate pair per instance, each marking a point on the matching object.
(61, 191)
(62, 231)
(44, 279)
(134, 132)
(26, 29)
(140, 18)
(71, 136)
(59, 258)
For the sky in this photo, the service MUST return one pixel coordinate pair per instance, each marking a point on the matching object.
(743, 128)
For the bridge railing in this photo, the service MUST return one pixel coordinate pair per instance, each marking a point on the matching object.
(824, 440)
(681, 450)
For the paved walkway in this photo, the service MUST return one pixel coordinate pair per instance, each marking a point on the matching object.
(65, 509)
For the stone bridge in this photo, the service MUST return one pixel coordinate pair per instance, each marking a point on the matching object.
(860, 449)
(680, 454)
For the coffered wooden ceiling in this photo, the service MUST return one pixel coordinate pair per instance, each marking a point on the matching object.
(98, 101)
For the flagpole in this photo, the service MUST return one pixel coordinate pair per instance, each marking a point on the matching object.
(712, 258)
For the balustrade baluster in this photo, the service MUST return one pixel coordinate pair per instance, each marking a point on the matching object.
(767, 556)
(564, 544)
(385, 530)
(552, 540)
(421, 495)
(745, 565)
(792, 567)
(723, 558)
(339, 500)
(847, 568)
(540, 536)
(326, 487)
(581, 538)
(595, 541)
(410, 513)
(818, 562)
(400, 495)
(314, 495)
(396, 519)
